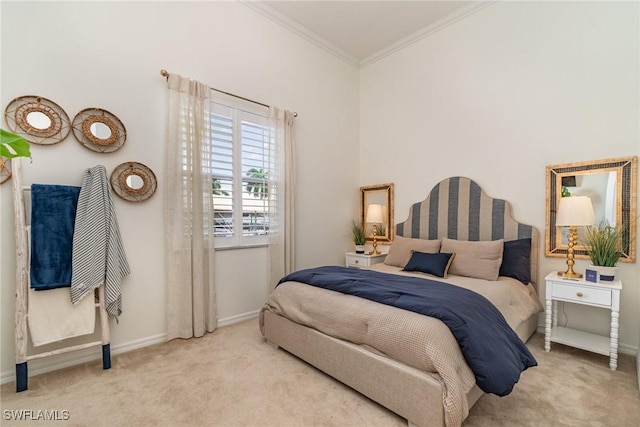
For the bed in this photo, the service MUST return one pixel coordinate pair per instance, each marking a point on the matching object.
(410, 363)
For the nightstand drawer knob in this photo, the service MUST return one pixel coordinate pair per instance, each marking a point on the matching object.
(579, 294)
(357, 261)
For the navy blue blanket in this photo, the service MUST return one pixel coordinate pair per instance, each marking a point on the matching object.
(493, 351)
(53, 216)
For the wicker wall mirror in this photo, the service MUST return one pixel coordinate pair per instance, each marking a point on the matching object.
(382, 196)
(5, 169)
(99, 130)
(37, 119)
(133, 181)
(611, 184)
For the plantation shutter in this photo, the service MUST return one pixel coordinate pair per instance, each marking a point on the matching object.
(222, 170)
(241, 162)
(255, 175)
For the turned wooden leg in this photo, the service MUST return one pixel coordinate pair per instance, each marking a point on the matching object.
(547, 326)
(613, 352)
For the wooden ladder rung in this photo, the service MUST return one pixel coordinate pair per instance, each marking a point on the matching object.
(63, 350)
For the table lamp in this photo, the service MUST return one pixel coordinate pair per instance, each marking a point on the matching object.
(574, 212)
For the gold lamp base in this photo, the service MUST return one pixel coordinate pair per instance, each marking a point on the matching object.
(573, 238)
(570, 274)
(375, 243)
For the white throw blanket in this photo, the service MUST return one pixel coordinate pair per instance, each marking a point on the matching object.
(53, 318)
(98, 256)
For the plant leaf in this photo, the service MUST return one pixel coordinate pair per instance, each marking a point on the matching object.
(12, 145)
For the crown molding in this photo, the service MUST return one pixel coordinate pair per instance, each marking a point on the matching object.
(288, 23)
(436, 26)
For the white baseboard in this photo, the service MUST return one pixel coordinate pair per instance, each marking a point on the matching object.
(48, 364)
(238, 318)
(53, 363)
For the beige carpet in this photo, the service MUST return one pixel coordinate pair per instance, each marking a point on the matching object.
(233, 378)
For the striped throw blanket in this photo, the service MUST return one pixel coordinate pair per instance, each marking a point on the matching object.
(98, 256)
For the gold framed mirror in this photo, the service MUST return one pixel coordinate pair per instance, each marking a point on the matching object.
(37, 119)
(380, 198)
(611, 184)
(133, 181)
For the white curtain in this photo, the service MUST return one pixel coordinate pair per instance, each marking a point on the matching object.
(281, 210)
(191, 298)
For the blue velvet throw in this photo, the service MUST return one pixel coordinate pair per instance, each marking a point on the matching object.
(53, 216)
(493, 351)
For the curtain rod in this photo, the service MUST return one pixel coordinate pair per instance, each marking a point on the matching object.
(165, 73)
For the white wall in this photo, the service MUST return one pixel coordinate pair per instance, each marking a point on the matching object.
(498, 96)
(109, 55)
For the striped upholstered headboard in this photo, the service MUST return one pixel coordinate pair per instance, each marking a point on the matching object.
(457, 208)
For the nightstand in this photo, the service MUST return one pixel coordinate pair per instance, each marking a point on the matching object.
(579, 291)
(354, 260)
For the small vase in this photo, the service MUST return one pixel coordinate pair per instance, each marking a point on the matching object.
(605, 274)
(359, 249)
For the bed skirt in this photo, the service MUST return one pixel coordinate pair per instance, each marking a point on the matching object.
(411, 393)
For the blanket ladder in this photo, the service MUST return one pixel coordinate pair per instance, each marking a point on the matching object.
(22, 292)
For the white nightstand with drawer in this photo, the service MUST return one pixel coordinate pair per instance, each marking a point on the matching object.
(354, 260)
(579, 291)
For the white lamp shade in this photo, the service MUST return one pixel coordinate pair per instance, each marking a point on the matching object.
(374, 213)
(576, 211)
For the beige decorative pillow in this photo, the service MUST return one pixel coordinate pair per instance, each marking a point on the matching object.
(400, 250)
(475, 259)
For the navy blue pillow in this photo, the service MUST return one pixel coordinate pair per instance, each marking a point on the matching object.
(435, 264)
(516, 260)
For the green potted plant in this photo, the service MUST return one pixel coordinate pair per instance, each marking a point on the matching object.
(358, 235)
(602, 242)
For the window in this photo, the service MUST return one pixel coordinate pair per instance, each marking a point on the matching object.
(241, 162)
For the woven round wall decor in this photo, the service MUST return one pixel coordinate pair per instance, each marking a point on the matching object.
(37, 119)
(99, 130)
(133, 181)
(5, 169)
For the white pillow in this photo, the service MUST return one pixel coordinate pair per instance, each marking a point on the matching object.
(401, 248)
(475, 259)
